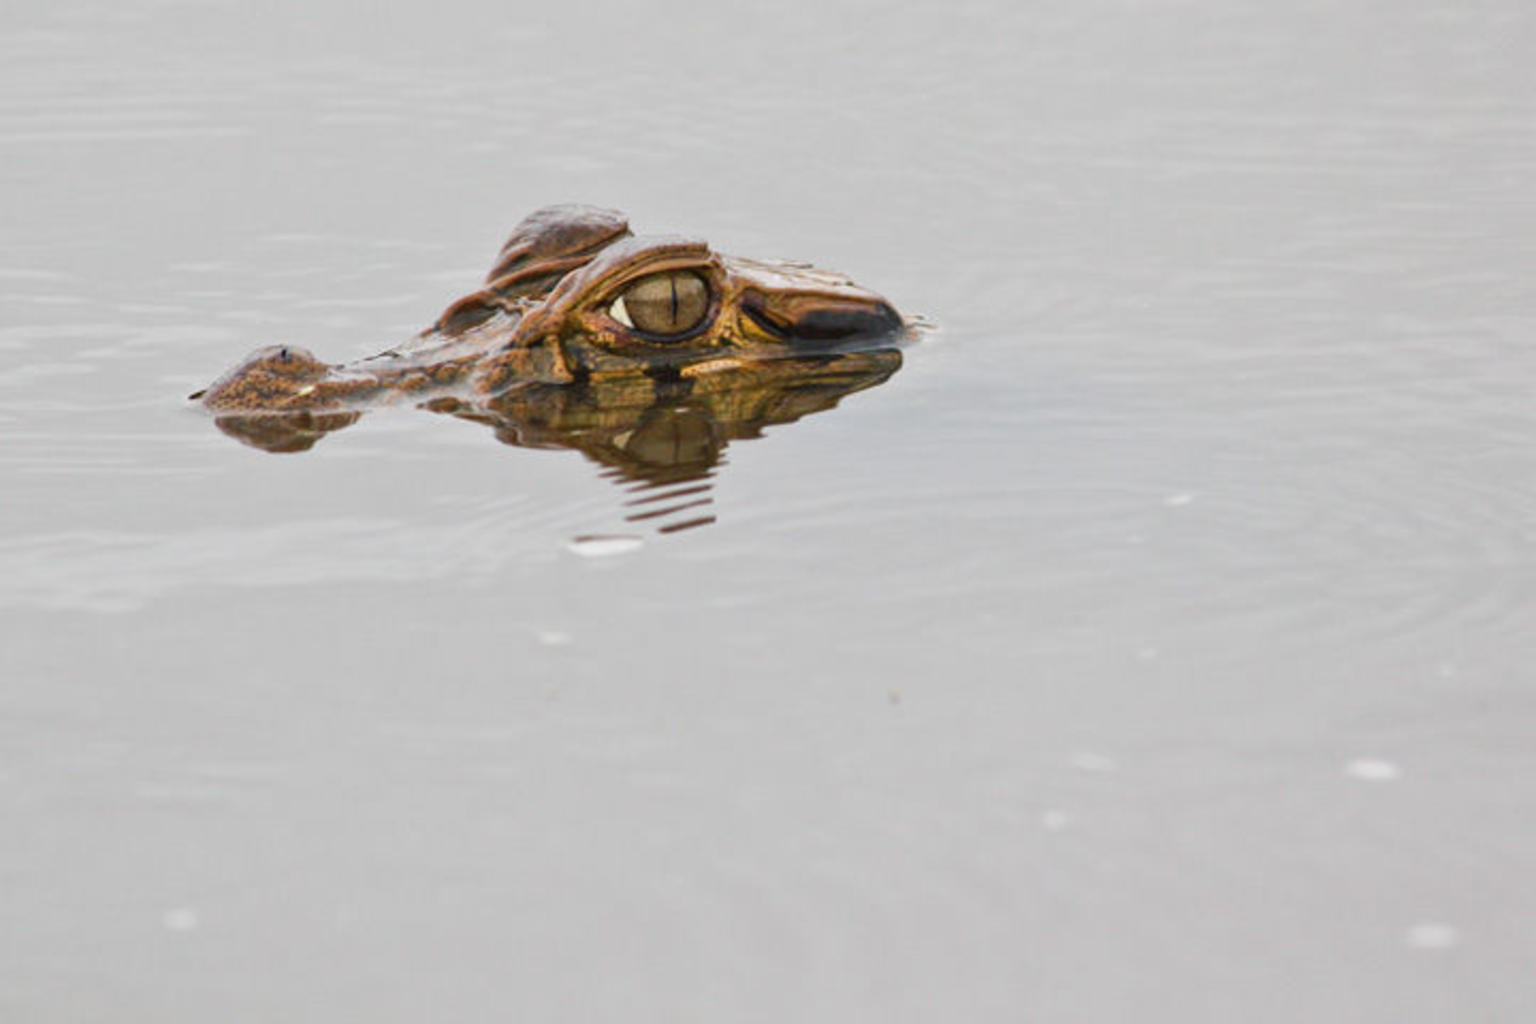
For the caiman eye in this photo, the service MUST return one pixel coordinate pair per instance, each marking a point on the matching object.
(666, 304)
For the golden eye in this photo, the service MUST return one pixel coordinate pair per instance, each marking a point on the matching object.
(666, 304)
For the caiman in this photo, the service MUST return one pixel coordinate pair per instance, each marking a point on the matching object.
(648, 353)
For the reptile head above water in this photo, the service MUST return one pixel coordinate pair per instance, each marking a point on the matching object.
(647, 355)
(575, 299)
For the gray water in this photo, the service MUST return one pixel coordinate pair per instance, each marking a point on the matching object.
(1154, 645)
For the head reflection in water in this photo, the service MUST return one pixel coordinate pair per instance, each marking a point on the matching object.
(648, 355)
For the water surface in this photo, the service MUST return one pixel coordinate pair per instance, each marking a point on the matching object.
(1153, 646)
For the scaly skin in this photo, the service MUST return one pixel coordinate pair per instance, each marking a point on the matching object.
(545, 316)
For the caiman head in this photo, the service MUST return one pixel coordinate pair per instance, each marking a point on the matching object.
(575, 299)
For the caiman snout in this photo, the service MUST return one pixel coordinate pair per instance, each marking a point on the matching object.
(817, 322)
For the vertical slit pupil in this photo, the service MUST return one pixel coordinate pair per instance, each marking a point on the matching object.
(669, 303)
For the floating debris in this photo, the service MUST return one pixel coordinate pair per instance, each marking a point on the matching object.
(181, 919)
(1369, 769)
(603, 546)
(1432, 935)
(1091, 762)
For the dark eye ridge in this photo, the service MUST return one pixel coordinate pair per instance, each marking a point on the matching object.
(666, 304)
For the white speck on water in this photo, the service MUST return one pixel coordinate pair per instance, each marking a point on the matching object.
(603, 546)
(1369, 769)
(554, 638)
(1432, 935)
(1178, 500)
(1054, 821)
(1147, 654)
(180, 919)
(1088, 761)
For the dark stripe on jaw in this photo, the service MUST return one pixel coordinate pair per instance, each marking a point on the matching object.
(825, 329)
(847, 324)
(762, 320)
(664, 373)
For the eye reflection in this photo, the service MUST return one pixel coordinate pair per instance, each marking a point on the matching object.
(666, 304)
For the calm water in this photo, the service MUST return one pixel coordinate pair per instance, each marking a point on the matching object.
(1154, 645)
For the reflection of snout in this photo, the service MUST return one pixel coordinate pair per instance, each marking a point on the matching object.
(284, 432)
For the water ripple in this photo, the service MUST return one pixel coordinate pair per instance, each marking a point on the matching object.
(100, 571)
